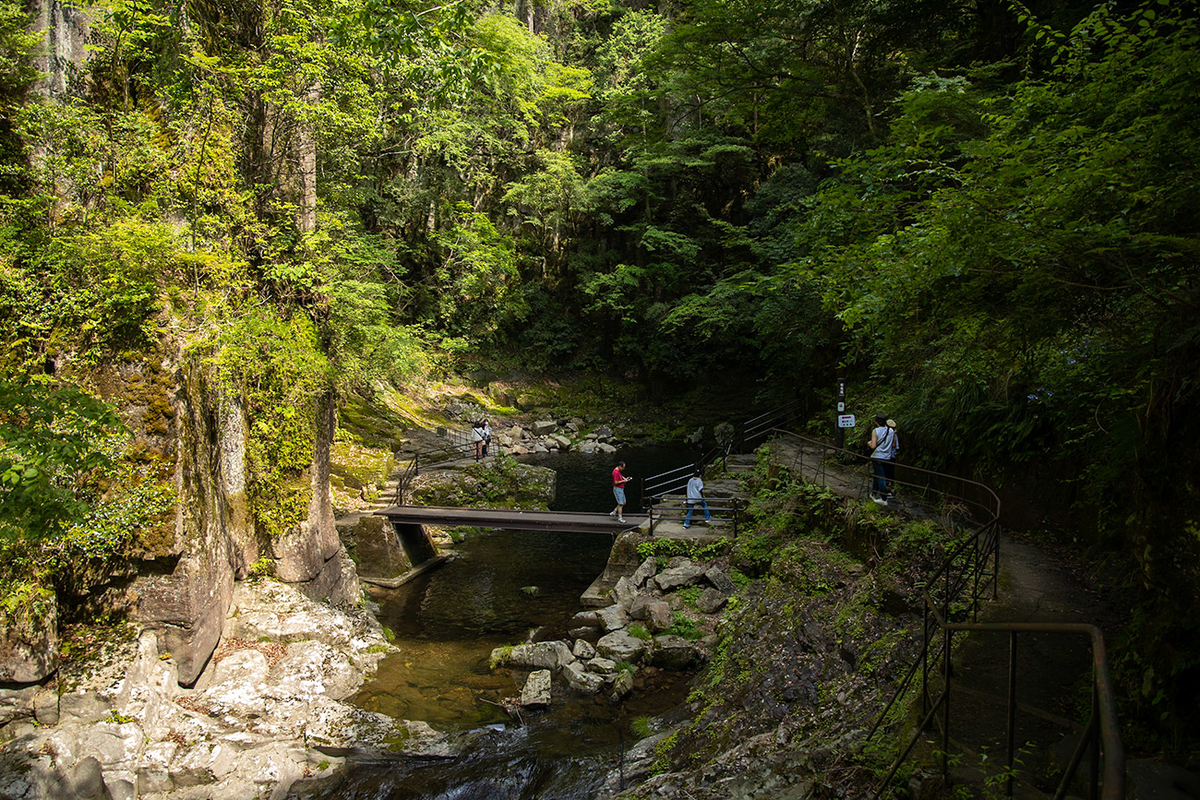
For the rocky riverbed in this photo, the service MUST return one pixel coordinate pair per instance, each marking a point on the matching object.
(266, 714)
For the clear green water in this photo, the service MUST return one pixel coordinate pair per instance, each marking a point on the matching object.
(446, 625)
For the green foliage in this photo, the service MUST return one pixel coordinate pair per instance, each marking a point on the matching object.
(500, 656)
(52, 440)
(27, 601)
(662, 754)
(685, 627)
(639, 631)
(274, 366)
(663, 549)
(689, 594)
(640, 727)
(137, 508)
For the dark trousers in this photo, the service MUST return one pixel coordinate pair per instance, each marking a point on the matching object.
(885, 475)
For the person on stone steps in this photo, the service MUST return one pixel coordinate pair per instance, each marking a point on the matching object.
(884, 444)
(619, 480)
(487, 437)
(695, 496)
(477, 429)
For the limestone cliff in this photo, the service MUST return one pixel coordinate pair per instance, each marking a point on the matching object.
(186, 575)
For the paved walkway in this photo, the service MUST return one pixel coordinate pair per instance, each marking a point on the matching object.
(1053, 671)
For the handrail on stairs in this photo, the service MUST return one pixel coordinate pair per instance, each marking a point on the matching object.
(745, 434)
(459, 446)
(952, 594)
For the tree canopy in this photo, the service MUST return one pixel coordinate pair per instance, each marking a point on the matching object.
(982, 213)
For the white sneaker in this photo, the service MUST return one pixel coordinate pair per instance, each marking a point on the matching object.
(612, 513)
(620, 519)
(879, 500)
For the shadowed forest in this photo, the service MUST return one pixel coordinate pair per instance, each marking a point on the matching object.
(985, 215)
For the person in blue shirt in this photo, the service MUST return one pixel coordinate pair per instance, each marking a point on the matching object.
(695, 496)
(884, 444)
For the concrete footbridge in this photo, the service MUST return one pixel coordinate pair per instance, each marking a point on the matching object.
(513, 518)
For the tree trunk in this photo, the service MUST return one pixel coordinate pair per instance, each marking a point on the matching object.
(306, 218)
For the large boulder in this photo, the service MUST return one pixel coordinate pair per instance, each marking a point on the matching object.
(467, 484)
(621, 645)
(540, 655)
(678, 577)
(612, 617)
(654, 611)
(674, 652)
(581, 680)
(645, 571)
(722, 582)
(215, 538)
(710, 600)
(625, 592)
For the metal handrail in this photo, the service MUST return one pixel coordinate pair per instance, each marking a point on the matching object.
(406, 478)
(722, 509)
(747, 432)
(460, 446)
(666, 482)
(980, 503)
(967, 573)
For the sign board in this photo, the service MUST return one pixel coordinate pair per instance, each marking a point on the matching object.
(841, 407)
(845, 420)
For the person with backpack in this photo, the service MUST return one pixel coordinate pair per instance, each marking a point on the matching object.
(884, 444)
(477, 432)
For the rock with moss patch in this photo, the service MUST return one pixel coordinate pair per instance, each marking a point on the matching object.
(29, 636)
(494, 482)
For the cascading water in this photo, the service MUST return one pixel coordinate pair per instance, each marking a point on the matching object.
(499, 587)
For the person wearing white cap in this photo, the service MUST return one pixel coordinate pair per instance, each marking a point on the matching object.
(884, 444)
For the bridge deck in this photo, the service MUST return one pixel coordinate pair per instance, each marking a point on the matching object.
(562, 521)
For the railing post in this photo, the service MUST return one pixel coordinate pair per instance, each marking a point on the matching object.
(925, 659)
(1012, 711)
(996, 560)
(946, 703)
(1094, 767)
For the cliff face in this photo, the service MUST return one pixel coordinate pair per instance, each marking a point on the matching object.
(66, 29)
(186, 572)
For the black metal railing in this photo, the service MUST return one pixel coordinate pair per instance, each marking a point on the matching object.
(951, 597)
(747, 435)
(460, 445)
(1100, 740)
(723, 510)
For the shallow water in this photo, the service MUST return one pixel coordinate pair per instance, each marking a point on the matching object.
(447, 623)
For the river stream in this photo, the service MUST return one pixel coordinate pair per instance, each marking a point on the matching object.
(499, 586)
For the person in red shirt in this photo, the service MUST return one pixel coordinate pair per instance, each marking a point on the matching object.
(619, 481)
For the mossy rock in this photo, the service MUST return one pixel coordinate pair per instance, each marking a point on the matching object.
(495, 483)
(358, 466)
(372, 425)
